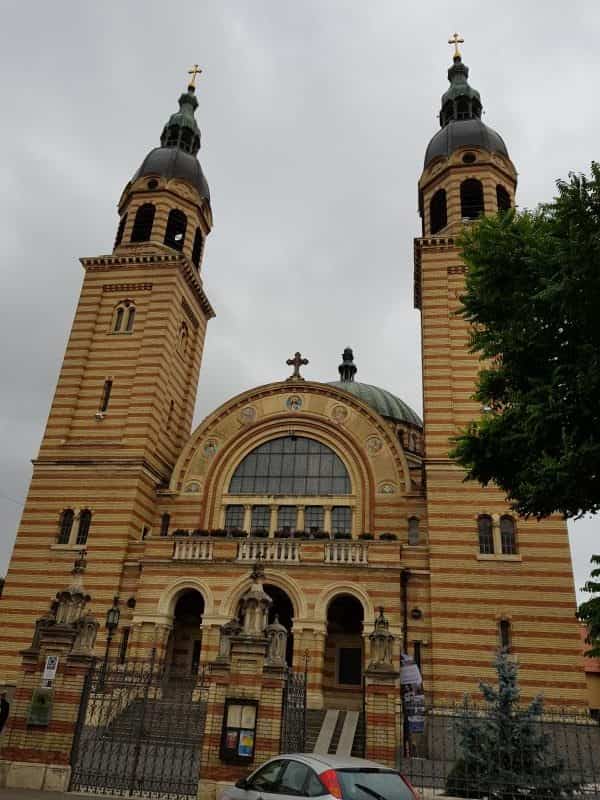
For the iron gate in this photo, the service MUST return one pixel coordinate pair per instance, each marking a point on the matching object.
(139, 732)
(293, 716)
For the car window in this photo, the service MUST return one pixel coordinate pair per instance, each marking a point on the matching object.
(266, 779)
(372, 784)
(293, 778)
(314, 787)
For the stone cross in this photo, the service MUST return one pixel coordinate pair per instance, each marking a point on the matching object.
(296, 362)
(456, 40)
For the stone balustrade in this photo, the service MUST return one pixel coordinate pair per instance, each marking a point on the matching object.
(193, 550)
(346, 552)
(285, 550)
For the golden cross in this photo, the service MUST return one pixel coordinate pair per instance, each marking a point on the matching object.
(195, 70)
(456, 40)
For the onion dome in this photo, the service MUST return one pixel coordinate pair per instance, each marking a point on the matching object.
(380, 400)
(460, 118)
(180, 142)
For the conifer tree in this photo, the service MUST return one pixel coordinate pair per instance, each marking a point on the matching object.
(589, 612)
(505, 753)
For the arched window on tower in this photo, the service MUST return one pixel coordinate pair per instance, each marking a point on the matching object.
(504, 635)
(165, 521)
(508, 535)
(486, 535)
(123, 317)
(66, 526)
(197, 248)
(471, 199)
(143, 222)
(502, 198)
(175, 233)
(438, 214)
(120, 230)
(462, 109)
(85, 520)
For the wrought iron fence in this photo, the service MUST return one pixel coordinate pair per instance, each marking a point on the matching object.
(293, 721)
(458, 751)
(139, 731)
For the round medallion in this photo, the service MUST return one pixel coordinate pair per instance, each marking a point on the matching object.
(210, 448)
(374, 444)
(339, 414)
(294, 402)
(193, 487)
(387, 488)
(247, 415)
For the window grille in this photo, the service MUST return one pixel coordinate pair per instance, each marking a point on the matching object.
(234, 517)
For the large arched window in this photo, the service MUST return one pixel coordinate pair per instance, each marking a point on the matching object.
(175, 233)
(66, 526)
(486, 534)
(438, 214)
(502, 198)
(292, 465)
(471, 199)
(143, 222)
(508, 535)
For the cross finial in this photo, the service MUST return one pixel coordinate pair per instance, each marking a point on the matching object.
(456, 40)
(296, 362)
(195, 70)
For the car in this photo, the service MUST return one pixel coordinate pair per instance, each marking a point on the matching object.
(321, 776)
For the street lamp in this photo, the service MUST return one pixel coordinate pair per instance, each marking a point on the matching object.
(112, 621)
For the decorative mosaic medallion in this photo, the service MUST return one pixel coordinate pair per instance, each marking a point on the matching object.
(374, 444)
(387, 488)
(193, 487)
(294, 402)
(339, 414)
(247, 415)
(210, 448)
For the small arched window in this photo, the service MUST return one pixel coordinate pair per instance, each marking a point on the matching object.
(438, 214)
(165, 521)
(175, 233)
(120, 230)
(65, 526)
(123, 317)
(85, 520)
(486, 535)
(471, 199)
(197, 248)
(502, 198)
(143, 222)
(508, 535)
(413, 530)
(504, 635)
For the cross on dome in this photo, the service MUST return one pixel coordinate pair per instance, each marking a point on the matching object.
(455, 39)
(296, 362)
(194, 71)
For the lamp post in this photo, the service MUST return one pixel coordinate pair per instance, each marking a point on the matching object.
(112, 621)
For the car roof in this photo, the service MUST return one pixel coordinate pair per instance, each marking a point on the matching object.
(320, 761)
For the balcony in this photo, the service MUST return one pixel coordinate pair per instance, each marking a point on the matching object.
(193, 550)
(280, 550)
(343, 552)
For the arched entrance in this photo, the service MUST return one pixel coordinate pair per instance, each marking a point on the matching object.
(185, 641)
(282, 608)
(343, 668)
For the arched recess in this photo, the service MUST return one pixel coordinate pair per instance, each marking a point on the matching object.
(471, 199)
(438, 213)
(333, 589)
(185, 638)
(230, 602)
(502, 198)
(172, 592)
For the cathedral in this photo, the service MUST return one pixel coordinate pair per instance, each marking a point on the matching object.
(344, 496)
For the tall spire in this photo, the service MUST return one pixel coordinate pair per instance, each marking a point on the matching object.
(182, 131)
(347, 368)
(461, 101)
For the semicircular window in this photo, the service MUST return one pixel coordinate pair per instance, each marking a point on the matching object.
(293, 465)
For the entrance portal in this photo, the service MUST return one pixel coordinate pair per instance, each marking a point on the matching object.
(282, 608)
(185, 642)
(343, 673)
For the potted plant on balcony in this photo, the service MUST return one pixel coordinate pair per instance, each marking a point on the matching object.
(321, 535)
(301, 535)
(219, 533)
(388, 537)
(181, 532)
(199, 532)
(342, 535)
(260, 533)
(366, 536)
(238, 533)
(283, 534)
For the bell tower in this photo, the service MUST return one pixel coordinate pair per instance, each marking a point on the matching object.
(496, 580)
(125, 395)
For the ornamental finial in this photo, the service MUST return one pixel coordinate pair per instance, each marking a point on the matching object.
(455, 39)
(296, 362)
(195, 70)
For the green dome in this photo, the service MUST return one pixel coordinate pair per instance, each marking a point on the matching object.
(380, 400)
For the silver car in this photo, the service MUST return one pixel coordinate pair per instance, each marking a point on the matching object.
(323, 776)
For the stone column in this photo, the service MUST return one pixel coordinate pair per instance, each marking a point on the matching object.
(327, 519)
(273, 520)
(300, 518)
(247, 526)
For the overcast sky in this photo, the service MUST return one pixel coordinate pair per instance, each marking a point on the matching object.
(315, 115)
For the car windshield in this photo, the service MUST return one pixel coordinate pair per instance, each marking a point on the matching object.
(372, 784)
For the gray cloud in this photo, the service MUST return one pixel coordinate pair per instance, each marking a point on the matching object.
(315, 117)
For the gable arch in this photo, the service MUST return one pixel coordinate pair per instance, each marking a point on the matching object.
(230, 602)
(173, 591)
(333, 590)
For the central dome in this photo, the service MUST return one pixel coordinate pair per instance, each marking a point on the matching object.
(464, 133)
(380, 400)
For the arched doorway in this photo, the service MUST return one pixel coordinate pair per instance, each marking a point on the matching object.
(343, 672)
(185, 641)
(282, 608)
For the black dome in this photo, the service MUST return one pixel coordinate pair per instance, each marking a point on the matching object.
(172, 162)
(464, 133)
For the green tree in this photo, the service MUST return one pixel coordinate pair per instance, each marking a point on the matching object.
(589, 612)
(533, 298)
(505, 753)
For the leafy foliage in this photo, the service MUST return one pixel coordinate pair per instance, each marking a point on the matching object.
(589, 612)
(505, 753)
(533, 298)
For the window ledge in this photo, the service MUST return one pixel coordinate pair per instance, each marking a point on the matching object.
(499, 557)
(78, 547)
